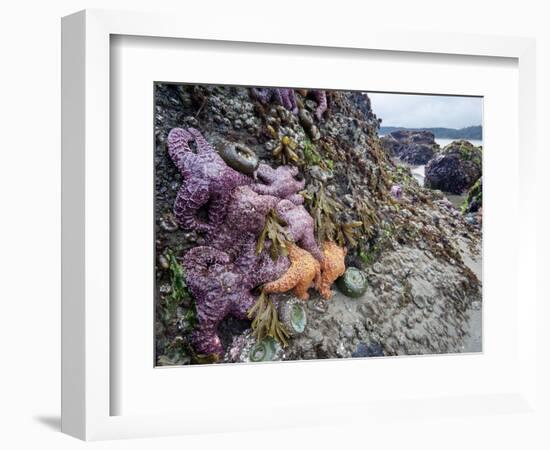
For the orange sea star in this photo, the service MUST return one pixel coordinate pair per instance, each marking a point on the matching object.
(332, 267)
(304, 269)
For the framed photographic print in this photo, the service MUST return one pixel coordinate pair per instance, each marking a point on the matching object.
(289, 227)
(285, 232)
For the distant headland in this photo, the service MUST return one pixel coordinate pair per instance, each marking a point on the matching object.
(473, 132)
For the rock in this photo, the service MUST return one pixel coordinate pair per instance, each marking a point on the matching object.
(471, 219)
(364, 350)
(320, 174)
(314, 133)
(353, 283)
(348, 200)
(474, 199)
(414, 147)
(455, 169)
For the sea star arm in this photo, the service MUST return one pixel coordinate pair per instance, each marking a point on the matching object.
(246, 301)
(202, 144)
(297, 199)
(283, 284)
(261, 94)
(292, 101)
(217, 209)
(178, 148)
(307, 242)
(190, 198)
(321, 98)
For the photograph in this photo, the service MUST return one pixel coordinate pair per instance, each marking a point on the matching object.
(300, 223)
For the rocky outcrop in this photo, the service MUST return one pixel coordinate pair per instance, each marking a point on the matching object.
(474, 199)
(413, 147)
(455, 169)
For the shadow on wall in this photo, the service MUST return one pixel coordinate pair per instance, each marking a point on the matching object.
(51, 422)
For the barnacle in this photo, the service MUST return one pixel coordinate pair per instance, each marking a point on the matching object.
(266, 321)
(285, 149)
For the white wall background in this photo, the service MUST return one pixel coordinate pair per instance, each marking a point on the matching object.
(30, 200)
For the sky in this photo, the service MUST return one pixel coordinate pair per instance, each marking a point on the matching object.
(427, 111)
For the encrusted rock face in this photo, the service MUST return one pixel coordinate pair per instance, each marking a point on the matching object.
(413, 147)
(456, 169)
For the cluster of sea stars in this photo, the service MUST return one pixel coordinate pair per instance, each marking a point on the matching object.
(223, 275)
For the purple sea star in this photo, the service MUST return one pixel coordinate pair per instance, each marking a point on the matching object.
(279, 182)
(207, 179)
(300, 226)
(221, 277)
(282, 96)
(218, 288)
(321, 99)
(396, 191)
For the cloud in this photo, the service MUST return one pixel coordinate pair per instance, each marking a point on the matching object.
(427, 111)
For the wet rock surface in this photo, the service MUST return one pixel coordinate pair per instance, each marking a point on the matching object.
(420, 255)
(413, 147)
(455, 169)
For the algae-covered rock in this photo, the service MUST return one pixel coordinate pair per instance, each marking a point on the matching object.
(353, 283)
(474, 199)
(456, 169)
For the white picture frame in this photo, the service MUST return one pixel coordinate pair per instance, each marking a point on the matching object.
(87, 386)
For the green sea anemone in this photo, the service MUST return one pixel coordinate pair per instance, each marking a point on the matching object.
(293, 315)
(240, 158)
(263, 350)
(353, 283)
